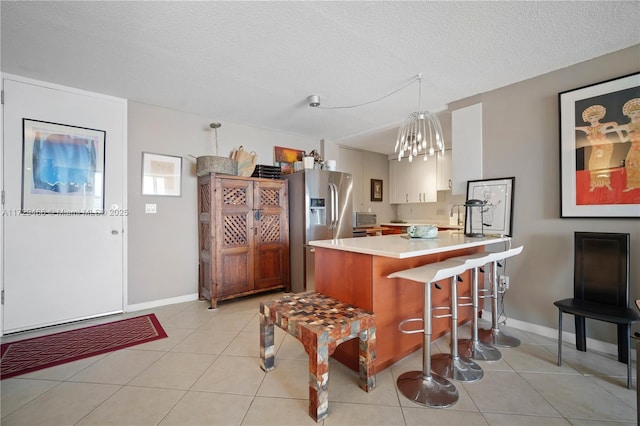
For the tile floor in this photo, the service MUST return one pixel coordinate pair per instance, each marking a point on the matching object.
(207, 372)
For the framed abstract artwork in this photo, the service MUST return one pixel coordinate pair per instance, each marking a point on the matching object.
(600, 149)
(287, 158)
(161, 175)
(62, 168)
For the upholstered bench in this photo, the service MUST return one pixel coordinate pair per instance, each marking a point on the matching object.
(321, 324)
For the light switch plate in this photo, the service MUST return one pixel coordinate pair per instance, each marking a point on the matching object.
(150, 208)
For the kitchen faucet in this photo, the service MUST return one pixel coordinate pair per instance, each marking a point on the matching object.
(456, 206)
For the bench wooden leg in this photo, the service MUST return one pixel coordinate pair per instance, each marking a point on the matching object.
(267, 346)
(367, 358)
(316, 346)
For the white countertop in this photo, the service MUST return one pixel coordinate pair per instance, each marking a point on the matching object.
(401, 247)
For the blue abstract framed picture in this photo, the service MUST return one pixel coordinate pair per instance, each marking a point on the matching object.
(62, 168)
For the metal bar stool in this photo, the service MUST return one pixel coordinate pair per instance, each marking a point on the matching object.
(453, 365)
(423, 387)
(495, 336)
(474, 348)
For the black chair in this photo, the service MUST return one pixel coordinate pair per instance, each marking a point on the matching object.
(600, 290)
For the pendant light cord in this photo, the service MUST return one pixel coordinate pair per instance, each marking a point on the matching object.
(414, 79)
(215, 132)
(215, 127)
(419, 92)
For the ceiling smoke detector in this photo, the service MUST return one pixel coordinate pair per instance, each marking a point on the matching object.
(314, 100)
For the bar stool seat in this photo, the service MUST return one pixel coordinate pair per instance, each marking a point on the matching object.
(425, 387)
(474, 348)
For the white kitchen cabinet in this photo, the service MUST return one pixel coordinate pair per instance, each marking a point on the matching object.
(444, 170)
(466, 141)
(413, 182)
(425, 176)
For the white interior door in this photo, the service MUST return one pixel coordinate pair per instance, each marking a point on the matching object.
(66, 266)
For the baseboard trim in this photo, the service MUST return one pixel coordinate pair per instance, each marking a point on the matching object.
(161, 302)
(567, 337)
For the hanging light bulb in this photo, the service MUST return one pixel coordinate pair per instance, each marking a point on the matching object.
(421, 131)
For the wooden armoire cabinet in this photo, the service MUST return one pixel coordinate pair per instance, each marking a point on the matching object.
(243, 232)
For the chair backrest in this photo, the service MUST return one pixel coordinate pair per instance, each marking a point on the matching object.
(601, 267)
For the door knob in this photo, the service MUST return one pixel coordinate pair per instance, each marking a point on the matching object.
(114, 232)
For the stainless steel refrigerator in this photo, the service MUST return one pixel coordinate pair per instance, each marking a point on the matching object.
(320, 208)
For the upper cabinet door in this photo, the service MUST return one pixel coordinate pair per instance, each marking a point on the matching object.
(424, 176)
(466, 137)
(412, 182)
(444, 170)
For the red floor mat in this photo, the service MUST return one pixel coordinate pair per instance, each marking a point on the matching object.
(25, 356)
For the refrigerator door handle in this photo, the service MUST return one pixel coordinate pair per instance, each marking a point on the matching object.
(334, 205)
(337, 206)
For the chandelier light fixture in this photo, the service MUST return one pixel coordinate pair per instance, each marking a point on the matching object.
(420, 133)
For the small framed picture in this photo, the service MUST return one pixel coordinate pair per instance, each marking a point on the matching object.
(496, 196)
(161, 175)
(376, 189)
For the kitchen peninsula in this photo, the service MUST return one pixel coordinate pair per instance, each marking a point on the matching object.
(354, 270)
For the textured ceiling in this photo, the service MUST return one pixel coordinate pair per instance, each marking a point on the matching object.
(257, 62)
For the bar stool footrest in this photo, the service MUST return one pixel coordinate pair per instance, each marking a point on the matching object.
(441, 308)
(410, 331)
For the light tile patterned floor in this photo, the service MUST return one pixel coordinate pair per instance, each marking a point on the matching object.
(207, 372)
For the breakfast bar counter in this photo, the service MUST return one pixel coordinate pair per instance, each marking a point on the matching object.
(354, 271)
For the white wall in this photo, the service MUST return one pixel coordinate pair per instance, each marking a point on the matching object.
(163, 257)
